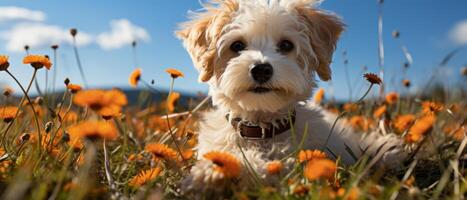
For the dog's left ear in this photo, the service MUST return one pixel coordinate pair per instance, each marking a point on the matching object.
(323, 31)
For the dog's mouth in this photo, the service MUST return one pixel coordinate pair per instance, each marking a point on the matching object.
(260, 90)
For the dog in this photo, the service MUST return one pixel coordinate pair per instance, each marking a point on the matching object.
(260, 59)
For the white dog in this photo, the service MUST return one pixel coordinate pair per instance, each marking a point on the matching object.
(259, 58)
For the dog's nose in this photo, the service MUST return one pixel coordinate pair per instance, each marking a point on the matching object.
(261, 73)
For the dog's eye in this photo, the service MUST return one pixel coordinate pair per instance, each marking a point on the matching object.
(237, 46)
(285, 46)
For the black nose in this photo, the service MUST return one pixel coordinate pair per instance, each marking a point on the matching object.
(262, 72)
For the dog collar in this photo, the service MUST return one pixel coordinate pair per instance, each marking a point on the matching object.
(250, 130)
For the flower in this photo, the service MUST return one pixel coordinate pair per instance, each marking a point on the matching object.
(372, 78)
(110, 111)
(73, 32)
(420, 127)
(350, 107)
(354, 193)
(274, 167)
(379, 112)
(392, 97)
(162, 151)
(406, 82)
(225, 163)
(144, 177)
(93, 130)
(402, 122)
(8, 113)
(320, 168)
(361, 123)
(307, 155)
(103, 102)
(135, 76)
(174, 73)
(172, 100)
(454, 130)
(4, 64)
(37, 61)
(429, 107)
(7, 91)
(74, 88)
(319, 96)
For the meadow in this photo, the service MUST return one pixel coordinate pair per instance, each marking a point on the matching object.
(94, 144)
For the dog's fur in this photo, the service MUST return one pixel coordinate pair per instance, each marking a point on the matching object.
(261, 25)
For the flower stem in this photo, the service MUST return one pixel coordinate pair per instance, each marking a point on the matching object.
(30, 103)
(168, 121)
(78, 61)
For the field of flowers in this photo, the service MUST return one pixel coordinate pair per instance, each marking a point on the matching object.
(92, 144)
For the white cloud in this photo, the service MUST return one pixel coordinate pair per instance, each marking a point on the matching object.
(38, 35)
(12, 13)
(122, 33)
(458, 34)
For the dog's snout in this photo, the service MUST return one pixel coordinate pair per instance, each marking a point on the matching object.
(261, 73)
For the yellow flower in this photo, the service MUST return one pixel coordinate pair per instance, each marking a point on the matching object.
(144, 177)
(135, 76)
(174, 73)
(4, 64)
(172, 101)
(402, 122)
(8, 113)
(307, 155)
(319, 96)
(379, 112)
(372, 78)
(392, 97)
(37, 61)
(73, 88)
(103, 102)
(162, 152)
(320, 168)
(93, 130)
(429, 107)
(225, 163)
(420, 127)
(274, 167)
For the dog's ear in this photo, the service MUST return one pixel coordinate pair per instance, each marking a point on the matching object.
(201, 34)
(323, 30)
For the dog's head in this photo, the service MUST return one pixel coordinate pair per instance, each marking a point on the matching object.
(261, 55)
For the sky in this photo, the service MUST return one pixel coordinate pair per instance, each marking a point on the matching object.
(429, 29)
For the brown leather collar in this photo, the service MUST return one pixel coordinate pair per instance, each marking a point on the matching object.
(248, 130)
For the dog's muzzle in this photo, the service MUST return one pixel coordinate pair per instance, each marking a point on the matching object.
(249, 130)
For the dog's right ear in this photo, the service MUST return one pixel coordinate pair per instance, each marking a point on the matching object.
(201, 34)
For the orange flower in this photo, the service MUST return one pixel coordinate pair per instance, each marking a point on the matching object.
(162, 151)
(110, 111)
(455, 131)
(174, 73)
(101, 101)
(420, 127)
(319, 96)
(225, 163)
(429, 107)
(379, 112)
(93, 130)
(307, 155)
(409, 182)
(4, 64)
(73, 88)
(402, 122)
(392, 97)
(350, 107)
(8, 113)
(361, 123)
(37, 61)
(187, 154)
(372, 78)
(172, 101)
(135, 76)
(354, 193)
(144, 177)
(406, 83)
(274, 167)
(320, 168)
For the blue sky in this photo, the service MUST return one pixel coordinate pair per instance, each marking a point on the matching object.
(426, 28)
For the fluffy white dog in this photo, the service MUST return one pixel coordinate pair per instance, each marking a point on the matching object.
(260, 58)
